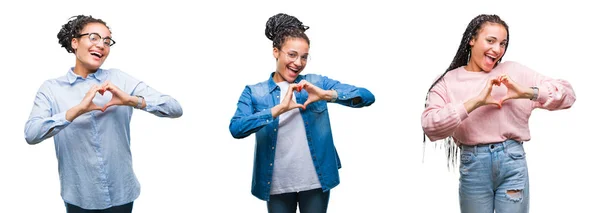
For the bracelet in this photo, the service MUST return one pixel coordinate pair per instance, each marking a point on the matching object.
(536, 92)
(140, 101)
(334, 96)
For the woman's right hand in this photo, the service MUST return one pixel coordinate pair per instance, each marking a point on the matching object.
(484, 97)
(288, 103)
(86, 104)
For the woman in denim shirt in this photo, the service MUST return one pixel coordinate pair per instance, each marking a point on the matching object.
(295, 163)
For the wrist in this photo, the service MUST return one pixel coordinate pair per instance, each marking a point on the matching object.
(276, 111)
(331, 96)
(532, 93)
(132, 101)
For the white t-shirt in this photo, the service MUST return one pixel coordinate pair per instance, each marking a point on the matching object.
(293, 170)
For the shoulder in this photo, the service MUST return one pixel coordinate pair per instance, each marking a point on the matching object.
(258, 89)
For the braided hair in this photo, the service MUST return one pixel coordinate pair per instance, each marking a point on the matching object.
(283, 26)
(461, 59)
(73, 28)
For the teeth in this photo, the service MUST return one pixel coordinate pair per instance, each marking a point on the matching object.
(96, 54)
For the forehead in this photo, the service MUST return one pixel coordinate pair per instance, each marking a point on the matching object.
(493, 29)
(96, 28)
(297, 44)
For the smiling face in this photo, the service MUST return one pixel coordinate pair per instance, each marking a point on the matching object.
(91, 50)
(487, 48)
(291, 59)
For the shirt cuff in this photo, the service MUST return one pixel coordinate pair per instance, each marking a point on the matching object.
(60, 119)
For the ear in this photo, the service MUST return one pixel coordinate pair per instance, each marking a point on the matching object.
(472, 41)
(275, 53)
(74, 44)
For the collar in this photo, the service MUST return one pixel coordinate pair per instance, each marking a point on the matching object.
(273, 85)
(100, 74)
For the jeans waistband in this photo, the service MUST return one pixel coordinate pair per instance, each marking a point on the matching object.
(491, 147)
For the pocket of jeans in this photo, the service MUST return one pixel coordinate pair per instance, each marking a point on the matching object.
(516, 152)
(466, 158)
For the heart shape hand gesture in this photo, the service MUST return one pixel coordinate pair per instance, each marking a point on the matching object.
(514, 91)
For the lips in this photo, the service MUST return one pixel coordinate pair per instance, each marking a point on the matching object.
(96, 55)
(293, 71)
(490, 59)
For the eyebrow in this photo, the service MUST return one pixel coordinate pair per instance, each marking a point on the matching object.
(99, 35)
(494, 37)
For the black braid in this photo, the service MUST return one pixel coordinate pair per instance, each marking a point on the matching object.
(73, 28)
(461, 59)
(282, 26)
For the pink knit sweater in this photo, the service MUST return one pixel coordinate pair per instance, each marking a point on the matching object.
(446, 115)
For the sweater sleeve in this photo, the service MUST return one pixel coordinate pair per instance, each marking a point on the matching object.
(554, 94)
(441, 117)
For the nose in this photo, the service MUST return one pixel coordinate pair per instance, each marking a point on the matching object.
(298, 61)
(496, 48)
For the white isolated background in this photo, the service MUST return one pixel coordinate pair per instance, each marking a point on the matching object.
(204, 53)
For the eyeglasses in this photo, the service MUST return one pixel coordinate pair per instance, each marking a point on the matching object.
(95, 38)
(293, 56)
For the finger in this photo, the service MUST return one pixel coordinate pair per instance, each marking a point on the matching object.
(106, 106)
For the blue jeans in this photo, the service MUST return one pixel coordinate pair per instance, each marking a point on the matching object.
(126, 208)
(310, 201)
(494, 177)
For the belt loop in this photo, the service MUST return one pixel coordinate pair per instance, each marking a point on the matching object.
(475, 150)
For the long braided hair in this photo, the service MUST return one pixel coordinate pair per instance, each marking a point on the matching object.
(461, 59)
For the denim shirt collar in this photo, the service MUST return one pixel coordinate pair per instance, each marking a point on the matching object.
(273, 85)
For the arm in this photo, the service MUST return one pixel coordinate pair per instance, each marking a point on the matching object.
(42, 125)
(246, 122)
(554, 94)
(155, 102)
(441, 117)
(347, 95)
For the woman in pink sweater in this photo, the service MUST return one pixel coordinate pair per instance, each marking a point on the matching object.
(483, 106)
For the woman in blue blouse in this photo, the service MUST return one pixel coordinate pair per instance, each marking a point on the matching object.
(88, 112)
(296, 163)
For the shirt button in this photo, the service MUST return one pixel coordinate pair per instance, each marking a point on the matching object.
(275, 130)
(272, 147)
(269, 183)
(343, 96)
(271, 164)
(278, 96)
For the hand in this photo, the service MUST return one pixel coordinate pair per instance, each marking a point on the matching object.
(118, 96)
(515, 91)
(485, 97)
(288, 103)
(314, 93)
(87, 103)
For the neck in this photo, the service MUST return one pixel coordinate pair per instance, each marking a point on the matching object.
(277, 77)
(472, 67)
(81, 70)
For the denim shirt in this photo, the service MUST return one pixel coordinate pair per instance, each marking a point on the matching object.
(93, 152)
(253, 115)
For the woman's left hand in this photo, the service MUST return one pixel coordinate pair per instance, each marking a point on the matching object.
(119, 97)
(515, 91)
(314, 93)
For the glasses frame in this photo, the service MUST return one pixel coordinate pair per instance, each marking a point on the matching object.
(111, 43)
